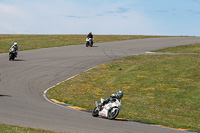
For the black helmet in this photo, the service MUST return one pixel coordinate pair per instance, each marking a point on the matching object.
(120, 94)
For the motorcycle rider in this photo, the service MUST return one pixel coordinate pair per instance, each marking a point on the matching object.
(15, 46)
(112, 98)
(90, 36)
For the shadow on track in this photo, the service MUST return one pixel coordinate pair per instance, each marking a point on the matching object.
(18, 60)
(92, 46)
(4, 95)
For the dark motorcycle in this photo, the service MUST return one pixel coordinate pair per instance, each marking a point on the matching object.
(12, 54)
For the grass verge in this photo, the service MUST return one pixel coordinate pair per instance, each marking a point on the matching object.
(17, 129)
(160, 89)
(193, 48)
(29, 42)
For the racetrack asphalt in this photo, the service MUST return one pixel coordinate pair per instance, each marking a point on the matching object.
(24, 81)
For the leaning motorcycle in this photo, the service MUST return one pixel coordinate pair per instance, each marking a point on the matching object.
(109, 110)
(12, 54)
(89, 42)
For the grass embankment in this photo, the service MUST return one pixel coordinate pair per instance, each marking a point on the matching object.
(193, 48)
(29, 42)
(160, 89)
(17, 129)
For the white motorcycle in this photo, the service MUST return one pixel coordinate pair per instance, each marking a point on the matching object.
(110, 110)
(89, 42)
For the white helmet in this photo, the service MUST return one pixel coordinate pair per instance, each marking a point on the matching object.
(15, 43)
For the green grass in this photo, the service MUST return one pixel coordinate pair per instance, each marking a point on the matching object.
(160, 89)
(29, 42)
(17, 129)
(194, 48)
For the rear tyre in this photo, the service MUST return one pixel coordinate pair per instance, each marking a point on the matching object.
(113, 113)
(91, 43)
(95, 112)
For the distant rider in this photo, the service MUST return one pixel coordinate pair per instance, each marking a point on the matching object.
(90, 36)
(112, 98)
(15, 46)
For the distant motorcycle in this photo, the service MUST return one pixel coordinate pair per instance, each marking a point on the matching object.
(110, 110)
(12, 54)
(89, 42)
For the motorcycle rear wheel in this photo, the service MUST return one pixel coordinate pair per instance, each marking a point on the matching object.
(113, 114)
(95, 112)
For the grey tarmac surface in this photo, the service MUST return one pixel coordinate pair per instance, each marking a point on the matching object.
(24, 81)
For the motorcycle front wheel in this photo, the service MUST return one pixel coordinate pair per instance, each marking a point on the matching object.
(87, 44)
(11, 57)
(95, 112)
(113, 113)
